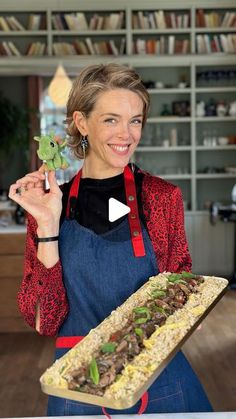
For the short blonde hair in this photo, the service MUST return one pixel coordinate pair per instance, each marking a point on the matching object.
(91, 82)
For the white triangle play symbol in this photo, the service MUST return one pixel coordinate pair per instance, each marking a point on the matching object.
(116, 209)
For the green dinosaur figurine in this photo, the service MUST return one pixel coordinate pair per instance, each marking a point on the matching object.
(50, 148)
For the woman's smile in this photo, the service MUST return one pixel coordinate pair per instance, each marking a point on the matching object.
(119, 149)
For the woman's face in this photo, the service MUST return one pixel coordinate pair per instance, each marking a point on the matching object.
(114, 130)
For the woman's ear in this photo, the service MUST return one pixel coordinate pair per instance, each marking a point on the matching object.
(80, 122)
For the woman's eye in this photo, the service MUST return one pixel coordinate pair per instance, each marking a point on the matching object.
(110, 120)
(136, 121)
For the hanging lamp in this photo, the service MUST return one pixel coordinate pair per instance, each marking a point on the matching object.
(59, 87)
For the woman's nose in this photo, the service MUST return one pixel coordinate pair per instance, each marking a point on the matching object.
(124, 132)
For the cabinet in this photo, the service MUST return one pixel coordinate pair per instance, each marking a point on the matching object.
(11, 259)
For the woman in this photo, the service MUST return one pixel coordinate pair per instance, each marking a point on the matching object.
(79, 266)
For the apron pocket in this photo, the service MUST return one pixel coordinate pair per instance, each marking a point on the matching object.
(166, 399)
(77, 408)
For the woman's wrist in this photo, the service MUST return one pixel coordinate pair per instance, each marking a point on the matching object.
(48, 231)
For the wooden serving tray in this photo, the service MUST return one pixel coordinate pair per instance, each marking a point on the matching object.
(127, 402)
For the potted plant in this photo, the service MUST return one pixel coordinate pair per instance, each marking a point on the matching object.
(13, 138)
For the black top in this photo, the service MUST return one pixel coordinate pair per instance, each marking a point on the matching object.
(91, 207)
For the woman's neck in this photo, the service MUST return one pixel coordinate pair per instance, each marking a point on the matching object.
(93, 172)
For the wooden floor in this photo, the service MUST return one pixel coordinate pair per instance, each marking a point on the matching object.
(211, 351)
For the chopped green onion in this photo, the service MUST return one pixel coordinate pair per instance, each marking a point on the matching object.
(138, 331)
(158, 293)
(190, 275)
(174, 277)
(160, 310)
(93, 371)
(141, 310)
(141, 320)
(108, 347)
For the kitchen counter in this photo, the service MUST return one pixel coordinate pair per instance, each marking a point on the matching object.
(13, 229)
(214, 415)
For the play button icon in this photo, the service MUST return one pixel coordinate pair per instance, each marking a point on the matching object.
(116, 209)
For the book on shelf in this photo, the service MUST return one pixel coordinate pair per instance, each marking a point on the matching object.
(100, 23)
(93, 22)
(80, 47)
(215, 19)
(90, 46)
(3, 52)
(122, 49)
(82, 21)
(173, 20)
(9, 49)
(14, 49)
(113, 46)
(164, 45)
(63, 48)
(87, 47)
(159, 19)
(229, 20)
(207, 43)
(4, 26)
(171, 44)
(141, 20)
(79, 21)
(34, 22)
(60, 22)
(36, 49)
(216, 43)
(14, 24)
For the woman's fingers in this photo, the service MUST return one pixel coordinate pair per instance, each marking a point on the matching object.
(54, 188)
(14, 193)
(31, 177)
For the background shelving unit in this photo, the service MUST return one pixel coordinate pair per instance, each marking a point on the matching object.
(175, 77)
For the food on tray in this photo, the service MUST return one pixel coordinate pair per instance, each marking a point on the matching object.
(119, 356)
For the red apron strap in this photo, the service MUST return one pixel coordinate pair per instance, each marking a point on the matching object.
(144, 403)
(68, 341)
(131, 200)
(143, 407)
(133, 216)
(73, 191)
(105, 413)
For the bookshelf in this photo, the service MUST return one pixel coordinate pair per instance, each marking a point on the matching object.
(185, 53)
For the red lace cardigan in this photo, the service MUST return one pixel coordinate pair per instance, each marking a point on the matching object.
(164, 215)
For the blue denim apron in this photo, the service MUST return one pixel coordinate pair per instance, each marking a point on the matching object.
(100, 272)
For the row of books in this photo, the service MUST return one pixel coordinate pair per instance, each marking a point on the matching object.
(160, 20)
(88, 47)
(215, 20)
(8, 49)
(80, 22)
(217, 43)
(11, 23)
(34, 48)
(164, 45)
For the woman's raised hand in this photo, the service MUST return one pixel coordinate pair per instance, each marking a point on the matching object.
(45, 207)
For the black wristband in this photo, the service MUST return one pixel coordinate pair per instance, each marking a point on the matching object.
(47, 239)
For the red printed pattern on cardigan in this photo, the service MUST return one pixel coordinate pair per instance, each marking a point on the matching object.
(164, 215)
